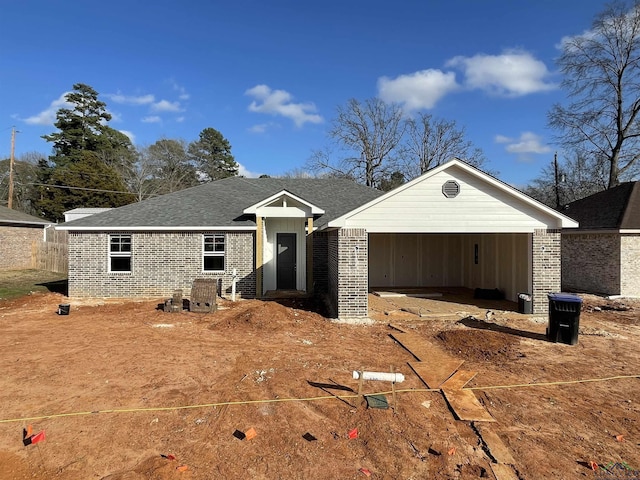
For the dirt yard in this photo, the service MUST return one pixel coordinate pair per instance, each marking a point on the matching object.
(127, 392)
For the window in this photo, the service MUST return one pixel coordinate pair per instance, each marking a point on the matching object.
(213, 253)
(120, 253)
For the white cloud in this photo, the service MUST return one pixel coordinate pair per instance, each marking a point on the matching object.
(263, 127)
(131, 99)
(242, 171)
(419, 90)
(279, 102)
(151, 119)
(527, 143)
(131, 136)
(166, 106)
(512, 74)
(182, 92)
(180, 119)
(48, 116)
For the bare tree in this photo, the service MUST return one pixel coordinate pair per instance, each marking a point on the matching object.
(173, 169)
(572, 178)
(601, 70)
(430, 142)
(367, 135)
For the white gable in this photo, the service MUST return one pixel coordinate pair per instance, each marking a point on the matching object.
(284, 205)
(482, 205)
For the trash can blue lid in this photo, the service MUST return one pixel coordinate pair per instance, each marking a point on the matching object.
(564, 297)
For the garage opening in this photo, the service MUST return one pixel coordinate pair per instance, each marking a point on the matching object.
(488, 261)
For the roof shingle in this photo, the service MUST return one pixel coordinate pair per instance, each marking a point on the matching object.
(615, 208)
(221, 203)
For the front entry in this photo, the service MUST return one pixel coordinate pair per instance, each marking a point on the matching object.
(286, 261)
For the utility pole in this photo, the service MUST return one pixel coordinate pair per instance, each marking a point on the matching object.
(555, 166)
(11, 160)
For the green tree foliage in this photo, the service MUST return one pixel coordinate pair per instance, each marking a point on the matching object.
(601, 69)
(211, 154)
(25, 174)
(84, 140)
(392, 181)
(86, 182)
(80, 128)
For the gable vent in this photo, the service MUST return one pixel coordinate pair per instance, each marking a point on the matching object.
(450, 189)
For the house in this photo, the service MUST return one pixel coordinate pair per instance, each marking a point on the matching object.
(603, 255)
(76, 213)
(17, 231)
(452, 226)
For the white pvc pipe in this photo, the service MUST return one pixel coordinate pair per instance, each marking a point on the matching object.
(382, 376)
(233, 285)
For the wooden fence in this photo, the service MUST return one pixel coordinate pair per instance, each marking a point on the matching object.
(50, 256)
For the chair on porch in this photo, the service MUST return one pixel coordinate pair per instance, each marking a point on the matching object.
(203, 295)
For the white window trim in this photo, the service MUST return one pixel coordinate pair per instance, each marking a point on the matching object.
(222, 254)
(121, 254)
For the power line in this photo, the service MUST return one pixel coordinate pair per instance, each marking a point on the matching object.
(77, 188)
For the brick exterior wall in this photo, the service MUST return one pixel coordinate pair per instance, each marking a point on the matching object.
(630, 265)
(320, 263)
(353, 273)
(161, 262)
(591, 263)
(546, 267)
(15, 245)
(332, 273)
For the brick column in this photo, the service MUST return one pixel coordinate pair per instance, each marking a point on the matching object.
(353, 273)
(546, 268)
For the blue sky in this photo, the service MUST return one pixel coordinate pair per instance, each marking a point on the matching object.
(270, 74)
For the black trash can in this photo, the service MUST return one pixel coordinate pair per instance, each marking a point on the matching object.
(524, 303)
(564, 318)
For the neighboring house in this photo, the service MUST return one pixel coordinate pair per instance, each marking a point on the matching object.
(603, 255)
(77, 213)
(453, 226)
(17, 231)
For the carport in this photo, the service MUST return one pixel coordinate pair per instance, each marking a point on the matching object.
(489, 260)
(454, 226)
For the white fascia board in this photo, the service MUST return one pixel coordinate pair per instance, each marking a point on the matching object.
(315, 210)
(592, 231)
(566, 222)
(154, 229)
(22, 222)
(457, 229)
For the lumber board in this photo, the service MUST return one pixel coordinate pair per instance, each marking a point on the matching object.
(503, 472)
(397, 327)
(466, 406)
(458, 380)
(435, 372)
(496, 446)
(419, 347)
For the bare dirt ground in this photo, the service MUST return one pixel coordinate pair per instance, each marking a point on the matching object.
(122, 388)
